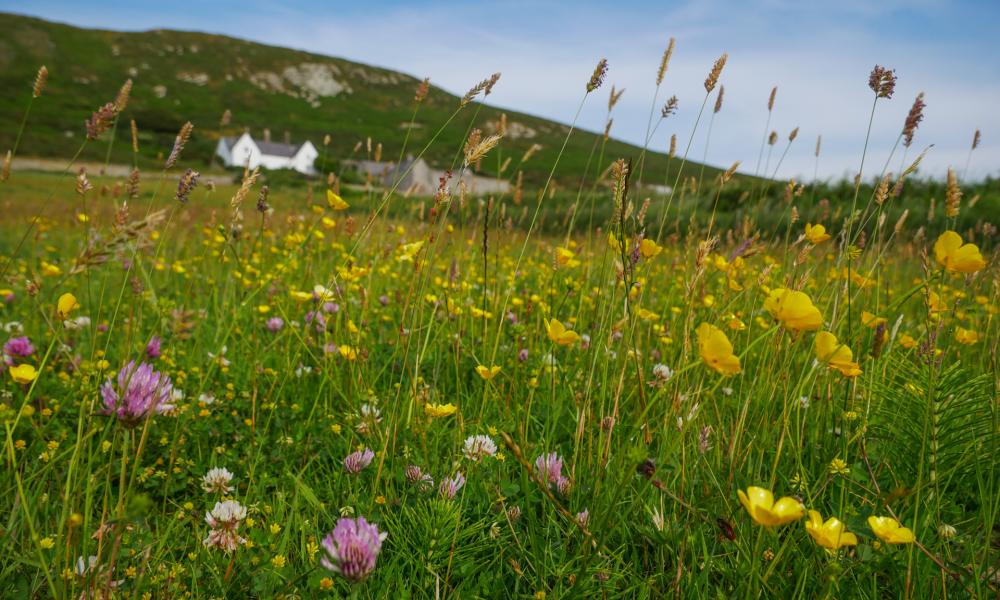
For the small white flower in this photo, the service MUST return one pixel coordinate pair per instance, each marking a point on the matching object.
(220, 357)
(82, 566)
(370, 412)
(662, 372)
(224, 519)
(323, 294)
(369, 416)
(217, 481)
(478, 447)
(77, 323)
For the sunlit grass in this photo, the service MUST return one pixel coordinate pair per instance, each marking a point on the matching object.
(592, 394)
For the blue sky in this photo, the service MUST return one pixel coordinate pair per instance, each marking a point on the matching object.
(819, 55)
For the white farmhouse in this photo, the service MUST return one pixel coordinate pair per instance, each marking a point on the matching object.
(244, 151)
(415, 176)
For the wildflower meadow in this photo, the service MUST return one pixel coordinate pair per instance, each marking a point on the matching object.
(228, 385)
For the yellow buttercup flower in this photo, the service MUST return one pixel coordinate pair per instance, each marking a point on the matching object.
(836, 355)
(488, 373)
(794, 309)
(335, 201)
(966, 336)
(23, 373)
(762, 508)
(830, 534)
(566, 258)
(890, 531)
(907, 341)
(935, 303)
(51, 270)
(616, 245)
(439, 410)
(816, 234)
(66, 304)
(407, 252)
(559, 334)
(735, 323)
(647, 315)
(715, 349)
(648, 248)
(957, 257)
(870, 320)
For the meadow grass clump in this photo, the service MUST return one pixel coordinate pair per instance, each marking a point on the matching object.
(727, 388)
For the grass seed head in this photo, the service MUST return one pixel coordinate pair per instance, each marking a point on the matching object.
(100, 121)
(670, 107)
(182, 138)
(953, 195)
(882, 81)
(713, 75)
(186, 185)
(665, 61)
(614, 97)
(597, 78)
(913, 119)
(40, 79)
(124, 93)
(422, 90)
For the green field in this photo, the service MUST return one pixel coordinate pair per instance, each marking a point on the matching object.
(569, 392)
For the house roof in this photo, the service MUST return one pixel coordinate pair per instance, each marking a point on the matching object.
(269, 148)
(385, 168)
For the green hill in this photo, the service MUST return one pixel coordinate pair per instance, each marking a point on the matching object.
(180, 76)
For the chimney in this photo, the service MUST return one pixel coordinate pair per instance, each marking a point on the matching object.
(267, 135)
(288, 137)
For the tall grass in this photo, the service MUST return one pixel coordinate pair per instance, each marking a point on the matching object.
(570, 328)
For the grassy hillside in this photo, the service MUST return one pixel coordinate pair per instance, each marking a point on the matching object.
(180, 76)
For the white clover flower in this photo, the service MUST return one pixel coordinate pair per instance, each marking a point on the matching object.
(662, 372)
(77, 323)
(217, 480)
(478, 447)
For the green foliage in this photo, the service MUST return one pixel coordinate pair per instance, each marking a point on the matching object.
(184, 76)
(935, 424)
